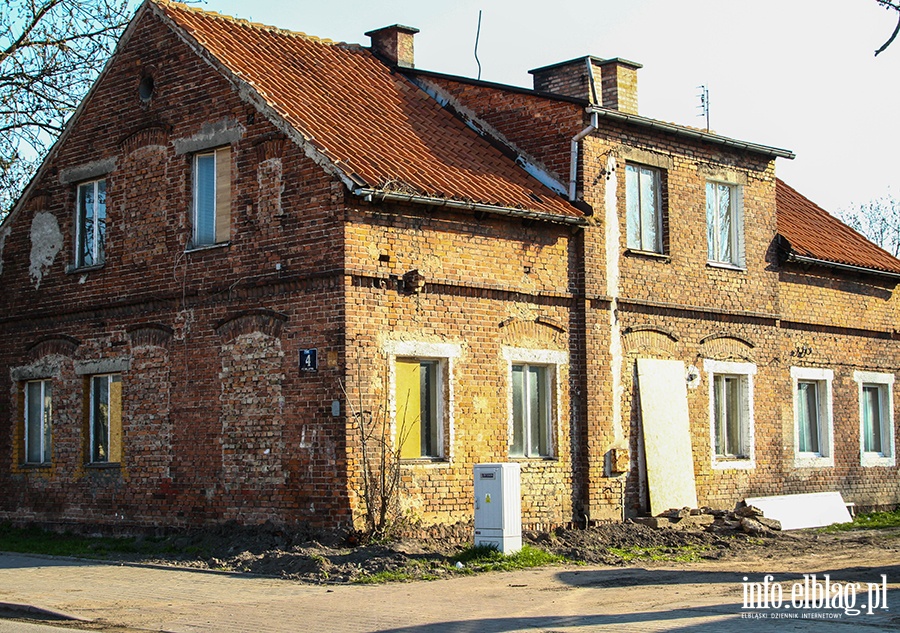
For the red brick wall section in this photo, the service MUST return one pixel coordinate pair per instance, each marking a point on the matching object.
(200, 411)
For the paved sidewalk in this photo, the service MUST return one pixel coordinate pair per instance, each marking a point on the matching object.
(698, 598)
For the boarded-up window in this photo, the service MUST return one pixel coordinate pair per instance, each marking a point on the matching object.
(418, 425)
(665, 426)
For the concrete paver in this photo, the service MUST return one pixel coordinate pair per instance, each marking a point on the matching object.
(697, 597)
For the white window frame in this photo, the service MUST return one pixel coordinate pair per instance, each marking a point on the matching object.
(46, 421)
(736, 236)
(97, 246)
(552, 361)
(110, 378)
(445, 355)
(823, 379)
(885, 383)
(195, 231)
(746, 372)
(656, 174)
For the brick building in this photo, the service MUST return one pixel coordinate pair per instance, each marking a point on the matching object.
(246, 237)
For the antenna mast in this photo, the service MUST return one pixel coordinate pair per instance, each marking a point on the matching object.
(477, 35)
(704, 103)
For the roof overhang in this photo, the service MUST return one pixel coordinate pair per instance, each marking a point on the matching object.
(377, 195)
(789, 255)
(685, 132)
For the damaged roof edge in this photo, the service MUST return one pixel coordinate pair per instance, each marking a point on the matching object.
(686, 132)
(375, 194)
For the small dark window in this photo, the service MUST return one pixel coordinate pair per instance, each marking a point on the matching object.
(145, 89)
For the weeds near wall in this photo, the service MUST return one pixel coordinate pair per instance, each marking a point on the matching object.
(379, 483)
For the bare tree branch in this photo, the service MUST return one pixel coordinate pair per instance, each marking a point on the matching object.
(894, 5)
(51, 51)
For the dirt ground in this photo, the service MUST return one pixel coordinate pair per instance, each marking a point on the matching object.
(270, 551)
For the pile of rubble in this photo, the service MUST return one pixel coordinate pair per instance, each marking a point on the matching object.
(744, 518)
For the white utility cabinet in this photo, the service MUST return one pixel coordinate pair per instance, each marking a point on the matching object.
(498, 507)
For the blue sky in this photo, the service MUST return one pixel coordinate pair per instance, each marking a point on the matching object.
(795, 74)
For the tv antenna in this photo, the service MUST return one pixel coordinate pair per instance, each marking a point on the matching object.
(704, 103)
(477, 35)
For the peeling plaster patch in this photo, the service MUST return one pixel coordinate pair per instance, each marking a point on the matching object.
(3, 235)
(46, 242)
(211, 135)
(87, 171)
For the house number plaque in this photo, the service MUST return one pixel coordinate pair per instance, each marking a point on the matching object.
(308, 360)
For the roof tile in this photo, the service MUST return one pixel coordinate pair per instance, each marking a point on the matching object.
(815, 233)
(343, 99)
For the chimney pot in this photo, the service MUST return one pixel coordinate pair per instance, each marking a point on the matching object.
(395, 44)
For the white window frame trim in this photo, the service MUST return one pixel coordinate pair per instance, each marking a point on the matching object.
(45, 459)
(748, 370)
(869, 459)
(553, 361)
(79, 227)
(823, 377)
(657, 210)
(445, 354)
(737, 213)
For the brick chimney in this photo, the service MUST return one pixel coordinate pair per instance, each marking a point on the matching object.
(610, 83)
(395, 44)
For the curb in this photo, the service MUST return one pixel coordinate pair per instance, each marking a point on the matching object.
(39, 612)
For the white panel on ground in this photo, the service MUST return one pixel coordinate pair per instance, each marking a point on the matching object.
(667, 434)
(795, 512)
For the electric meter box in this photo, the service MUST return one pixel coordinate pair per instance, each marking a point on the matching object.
(498, 507)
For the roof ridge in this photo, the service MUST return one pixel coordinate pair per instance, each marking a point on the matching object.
(259, 26)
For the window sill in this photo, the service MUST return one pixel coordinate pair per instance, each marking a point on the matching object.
(733, 463)
(726, 266)
(870, 460)
(811, 460)
(533, 460)
(634, 252)
(36, 465)
(206, 247)
(425, 461)
(72, 269)
(103, 465)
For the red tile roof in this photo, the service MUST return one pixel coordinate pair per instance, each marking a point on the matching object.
(815, 233)
(370, 122)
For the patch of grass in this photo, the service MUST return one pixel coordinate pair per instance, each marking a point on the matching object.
(392, 575)
(868, 521)
(683, 554)
(33, 541)
(484, 558)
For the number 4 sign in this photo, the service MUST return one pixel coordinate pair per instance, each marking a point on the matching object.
(308, 361)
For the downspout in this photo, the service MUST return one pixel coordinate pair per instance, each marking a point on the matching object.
(573, 166)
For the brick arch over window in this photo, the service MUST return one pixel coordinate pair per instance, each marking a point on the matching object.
(651, 340)
(152, 135)
(150, 335)
(264, 321)
(724, 346)
(57, 344)
(542, 332)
